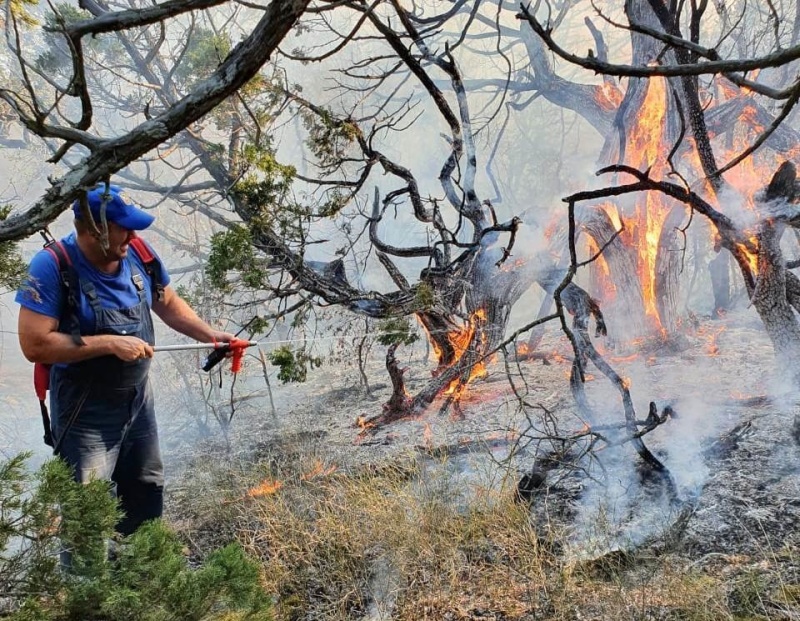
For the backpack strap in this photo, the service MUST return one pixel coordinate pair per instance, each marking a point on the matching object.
(151, 265)
(69, 317)
(70, 286)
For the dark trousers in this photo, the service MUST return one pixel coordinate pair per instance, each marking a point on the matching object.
(111, 434)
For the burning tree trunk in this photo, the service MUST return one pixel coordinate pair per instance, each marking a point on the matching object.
(648, 123)
(668, 267)
(623, 273)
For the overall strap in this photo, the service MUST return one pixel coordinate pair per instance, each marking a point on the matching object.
(137, 280)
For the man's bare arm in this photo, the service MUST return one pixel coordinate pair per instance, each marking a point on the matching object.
(41, 341)
(178, 315)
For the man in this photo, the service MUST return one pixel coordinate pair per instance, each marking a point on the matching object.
(103, 420)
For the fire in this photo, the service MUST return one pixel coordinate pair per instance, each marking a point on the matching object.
(603, 282)
(266, 488)
(362, 424)
(318, 470)
(712, 348)
(558, 357)
(647, 148)
(613, 214)
(460, 340)
(608, 95)
(513, 265)
(623, 359)
(752, 257)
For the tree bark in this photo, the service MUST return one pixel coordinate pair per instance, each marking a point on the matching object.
(669, 261)
(626, 315)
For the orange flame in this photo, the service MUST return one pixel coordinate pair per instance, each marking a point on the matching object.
(362, 424)
(318, 470)
(264, 489)
(623, 359)
(608, 95)
(460, 340)
(648, 149)
(603, 282)
(712, 348)
(751, 256)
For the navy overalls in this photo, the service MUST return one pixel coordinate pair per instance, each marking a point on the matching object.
(103, 419)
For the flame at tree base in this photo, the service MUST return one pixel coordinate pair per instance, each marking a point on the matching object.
(462, 343)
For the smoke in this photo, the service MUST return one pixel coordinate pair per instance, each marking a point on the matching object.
(622, 504)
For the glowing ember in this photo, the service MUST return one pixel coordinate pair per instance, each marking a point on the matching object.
(361, 423)
(513, 265)
(623, 359)
(712, 347)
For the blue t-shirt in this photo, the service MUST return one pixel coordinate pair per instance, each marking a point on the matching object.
(42, 290)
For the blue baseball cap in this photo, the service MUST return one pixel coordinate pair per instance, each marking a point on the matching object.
(120, 209)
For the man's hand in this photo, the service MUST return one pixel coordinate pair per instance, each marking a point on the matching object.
(130, 348)
(222, 337)
(41, 341)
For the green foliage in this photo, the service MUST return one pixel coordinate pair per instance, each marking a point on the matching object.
(293, 365)
(66, 12)
(189, 295)
(204, 53)
(329, 137)
(335, 201)
(267, 192)
(233, 251)
(148, 580)
(12, 267)
(424, 296)
(396, 330)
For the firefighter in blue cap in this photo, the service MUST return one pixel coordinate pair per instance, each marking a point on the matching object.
(85, 310)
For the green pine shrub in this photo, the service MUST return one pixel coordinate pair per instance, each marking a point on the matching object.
(148, 578)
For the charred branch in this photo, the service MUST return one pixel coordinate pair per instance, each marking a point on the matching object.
(584, 349)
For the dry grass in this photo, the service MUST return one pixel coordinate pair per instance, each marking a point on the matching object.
(340, 545)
